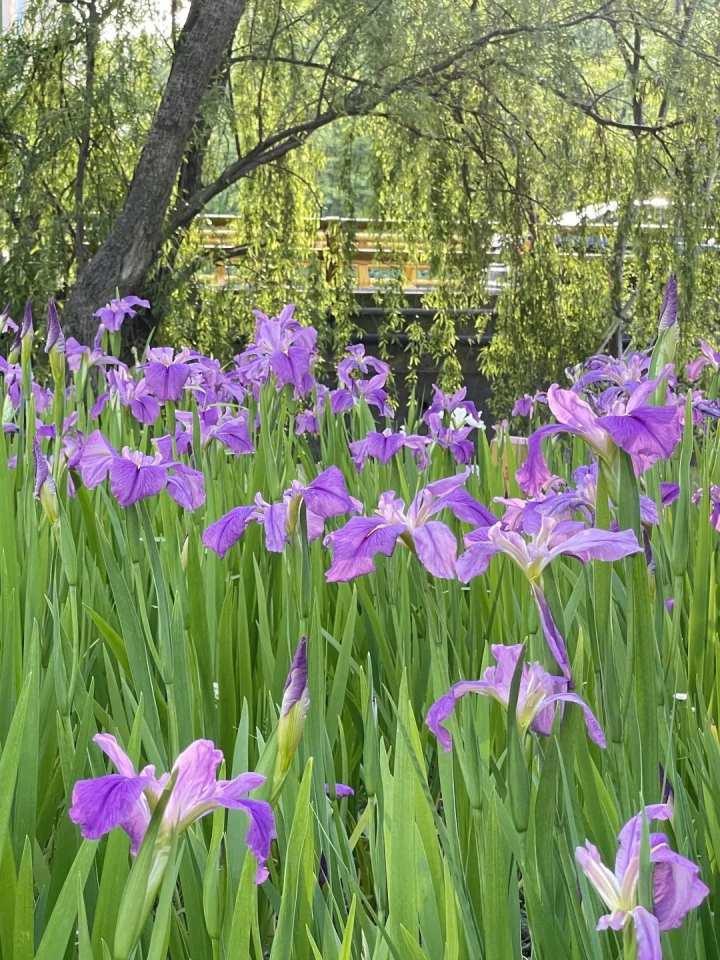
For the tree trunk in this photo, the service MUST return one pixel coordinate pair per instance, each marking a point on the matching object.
(128, 252)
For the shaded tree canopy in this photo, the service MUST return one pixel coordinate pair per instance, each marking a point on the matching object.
(454, 123)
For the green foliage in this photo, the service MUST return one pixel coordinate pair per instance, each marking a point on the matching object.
(120, 620)
(457, 129)
(553, 313)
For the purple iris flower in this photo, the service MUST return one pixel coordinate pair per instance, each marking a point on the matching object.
(135, 476)
(232, 432)
(55, 342)
(647, 433)
(209, 383)
(43, 397)
(133, 394)
(113, 314)
(229, 429)
(626, 371)
(127, 798)
(715, 512)
(76, 352)
(308, 421)
(524, 406)
(449, 403)
(45, 490)
(708, 358)
(166, 373)
(25, 334)
(296, 692)
(540, 696)
(283, 348)
(384, 446)
(7, 322)
(355, 545)
(324, 497)
(554, 537)
(164, 444)
(12, 375)
(26, 330)
(450, 420)
(355, 385)
(340, 790)
(676, 885)
(293, 712)
(585, 478)
(703, 409)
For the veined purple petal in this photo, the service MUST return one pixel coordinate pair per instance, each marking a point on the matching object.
(595, 731)
(571, 411)
(275, 523)
(436, 548)
(630, 835)
(669, 493)
(114, 313)
(465, 507)
(42, 467)
(534, 475)
(555, 640)
(677, 887)
(94, 459)
(228, 792)
(648, 511)
(225, 532)
(499, 678)
(444, 707)
(355, 545)
(296, 684)
(315, 525)
(195, 783)
(340, 790)
(327, 495)
(186, 486)
(260, 835)
(99, 405)
(694, 369)
(341, 400)
(648, 434)
(55, 338)
(379, 446)
(475, 560)
(112, 749)
(306, 422)
(131, 482)
(524, 406)
(595, 544)
(647, 935)
(234, 435)
(121, 799)
(144, 408)
(103, 803)
(166, 381)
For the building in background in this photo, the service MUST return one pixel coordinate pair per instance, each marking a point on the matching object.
(11, 12)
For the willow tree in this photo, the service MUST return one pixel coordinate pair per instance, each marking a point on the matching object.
(622, 113)
(343, 59)
(460, 126)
